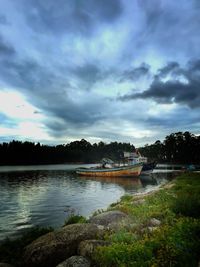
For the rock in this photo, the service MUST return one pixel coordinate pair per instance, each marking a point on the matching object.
(108, 217)
(3, 264)
(151, 229)
(87, 247)
(54, 247)
(148, 229)
(75, 261)
(154, 222)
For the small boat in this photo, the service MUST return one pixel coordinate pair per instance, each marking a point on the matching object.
(135, 157)
(121, 171)
(148, 167)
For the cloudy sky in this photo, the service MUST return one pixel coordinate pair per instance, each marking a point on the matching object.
(117, 70)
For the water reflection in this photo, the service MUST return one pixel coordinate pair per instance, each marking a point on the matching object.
(47, 197)
(126, 183)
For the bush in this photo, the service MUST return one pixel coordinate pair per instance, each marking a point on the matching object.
(187, 204)
(130, 255)
(75, 219)
(176, 245)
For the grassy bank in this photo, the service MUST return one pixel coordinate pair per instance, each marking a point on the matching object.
(164, 229)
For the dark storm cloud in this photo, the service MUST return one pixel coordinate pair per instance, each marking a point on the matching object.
(88, 73)
(5, 48)
(77, 16)
(51, 92)
(152, 15)
(26, 74)
(66, 57)
(167, 29)
(135, 73)
(170, 68)
(3, 19)
(176, 118)
(66, 114)
(185, 89)
(62, 106)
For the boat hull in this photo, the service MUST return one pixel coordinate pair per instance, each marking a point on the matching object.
(125, 171)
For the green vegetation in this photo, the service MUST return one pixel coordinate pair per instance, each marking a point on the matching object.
(176, 148)
(173, 242)
(182, 148)
(75, 219)
(17, 152)
(11, 250)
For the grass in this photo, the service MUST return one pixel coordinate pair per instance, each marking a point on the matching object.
(75, 219)
(175, 242)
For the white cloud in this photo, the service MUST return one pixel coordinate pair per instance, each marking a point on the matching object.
(14, 105)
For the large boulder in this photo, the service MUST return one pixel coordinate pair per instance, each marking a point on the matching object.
(87, 247)
(75, 261)
(3, 264)
(54, 247)
(108, 218)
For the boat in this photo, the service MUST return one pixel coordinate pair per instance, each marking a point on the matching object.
(135, 157)
(116, 171)
(148, 167)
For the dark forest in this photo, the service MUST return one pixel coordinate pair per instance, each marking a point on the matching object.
(176, 148)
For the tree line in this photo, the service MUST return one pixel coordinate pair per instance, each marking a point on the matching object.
(17, 152)
(176, 148)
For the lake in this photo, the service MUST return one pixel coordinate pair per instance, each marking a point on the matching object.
(45, 195)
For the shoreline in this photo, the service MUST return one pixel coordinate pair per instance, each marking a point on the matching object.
(141, 228)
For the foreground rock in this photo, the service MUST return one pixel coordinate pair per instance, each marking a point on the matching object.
(55, 247)
(108, 218)
(154, 222)
(86, 248)
(3, 264)
(75, 261)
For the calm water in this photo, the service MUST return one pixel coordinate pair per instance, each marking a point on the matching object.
(47, 195)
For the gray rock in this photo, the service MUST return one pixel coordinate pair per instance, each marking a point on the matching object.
(3, 264)
(148, 229)
(54, 247)
(86, 248)
(151, 228)
(75, 261)
(154, 222)
(138, 202)
(108, 217)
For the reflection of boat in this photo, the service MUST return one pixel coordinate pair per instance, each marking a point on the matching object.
(148, 179)
(123, 181)
(126, 171)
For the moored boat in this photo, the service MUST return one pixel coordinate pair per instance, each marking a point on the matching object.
(121, 171)
(135, 157)
(148, 167)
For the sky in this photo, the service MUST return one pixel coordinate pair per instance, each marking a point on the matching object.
(117, 70)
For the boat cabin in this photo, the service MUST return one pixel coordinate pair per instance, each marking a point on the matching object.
(134, 157)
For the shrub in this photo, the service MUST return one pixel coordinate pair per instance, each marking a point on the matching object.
(75, 219)
(187, 204)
